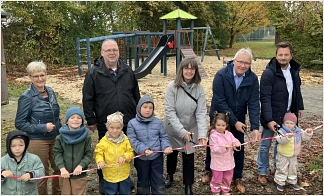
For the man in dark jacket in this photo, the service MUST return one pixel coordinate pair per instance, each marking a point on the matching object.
(236, 89)
(109, 86)
(279, 93)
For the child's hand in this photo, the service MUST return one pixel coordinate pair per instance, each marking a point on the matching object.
(238, 144)
(167, 150)
(7, 173)
(78, 170)
(25, 177)
(148, 152)
(290, 135)
(101, 165)
(227, 146)
(121, 160)
(308, 130)
(64, 173)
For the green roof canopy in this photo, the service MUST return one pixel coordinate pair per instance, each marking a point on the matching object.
(178, 13)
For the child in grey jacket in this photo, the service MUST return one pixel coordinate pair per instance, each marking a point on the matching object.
(18, 162)
(146, 134)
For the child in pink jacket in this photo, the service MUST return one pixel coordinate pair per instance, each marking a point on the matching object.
(222, 160)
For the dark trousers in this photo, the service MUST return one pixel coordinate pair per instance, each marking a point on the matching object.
(188, 164)
(150, 176)
(238, 155)
(122, 188)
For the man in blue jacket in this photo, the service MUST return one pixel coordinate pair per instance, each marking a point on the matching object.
(279, 93)
(236, 89)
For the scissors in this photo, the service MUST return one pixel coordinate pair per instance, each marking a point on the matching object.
(245, 130)
(276, 127)
(191, 139)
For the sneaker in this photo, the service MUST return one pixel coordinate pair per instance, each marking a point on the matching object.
(296, 187)
(280, 188)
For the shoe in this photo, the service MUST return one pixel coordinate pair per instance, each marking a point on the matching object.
(280, 188)
(272, 171)
(239, 185)
(168, 181)
(296, 187)
(205, 179)
(262, 179)
(188, 190)
(101, 186)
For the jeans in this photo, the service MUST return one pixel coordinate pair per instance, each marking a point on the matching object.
(263, 155)
(122, 187)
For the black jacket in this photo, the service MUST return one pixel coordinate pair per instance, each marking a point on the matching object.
(274, 93)
(102, 95)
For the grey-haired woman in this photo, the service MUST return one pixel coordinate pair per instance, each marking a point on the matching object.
(38, 116)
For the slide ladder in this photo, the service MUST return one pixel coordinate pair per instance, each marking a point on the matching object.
(188, 52)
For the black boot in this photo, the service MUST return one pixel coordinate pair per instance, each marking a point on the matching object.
(188, 190)
(168, 181)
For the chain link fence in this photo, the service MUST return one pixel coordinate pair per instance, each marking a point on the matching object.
(266, 34)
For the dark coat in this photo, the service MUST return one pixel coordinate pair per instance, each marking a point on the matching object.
(227, 98)
(274, 93)
(102, 95)
(34, 112)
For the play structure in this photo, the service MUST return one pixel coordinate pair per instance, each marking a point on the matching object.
(152, 47)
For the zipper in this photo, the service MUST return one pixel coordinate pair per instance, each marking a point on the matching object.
(72, 155)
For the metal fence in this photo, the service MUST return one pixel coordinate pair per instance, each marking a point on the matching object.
(266, 34)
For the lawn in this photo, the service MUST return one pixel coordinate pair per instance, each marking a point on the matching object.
(260, 49)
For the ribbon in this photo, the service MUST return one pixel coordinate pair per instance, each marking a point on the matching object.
(156, 151)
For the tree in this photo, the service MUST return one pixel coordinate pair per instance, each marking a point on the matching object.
(301, 24)
(244, 15)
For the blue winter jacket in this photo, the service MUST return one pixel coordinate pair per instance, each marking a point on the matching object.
(227, 98)
(34, 112)
(274, 93)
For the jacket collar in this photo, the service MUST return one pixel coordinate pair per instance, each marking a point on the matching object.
(274, 65)
(103, 69)
(34, 91)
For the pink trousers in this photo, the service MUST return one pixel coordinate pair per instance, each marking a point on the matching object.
(221, 181)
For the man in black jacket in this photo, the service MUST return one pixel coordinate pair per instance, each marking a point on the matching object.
(279, 93)
(109, 86)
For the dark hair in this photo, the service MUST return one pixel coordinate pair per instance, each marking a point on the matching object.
(184, 64)
(219, 116)
(284, 45)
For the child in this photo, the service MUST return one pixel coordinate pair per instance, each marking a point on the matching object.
(113, 155)
(73, 153)
(222, 160)
(288, 149)
(19, 162)
(146, 134)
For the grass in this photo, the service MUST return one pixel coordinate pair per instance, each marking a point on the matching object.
(316, 163)
(265, 50)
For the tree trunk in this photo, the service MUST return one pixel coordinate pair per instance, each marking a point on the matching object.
(231, 41)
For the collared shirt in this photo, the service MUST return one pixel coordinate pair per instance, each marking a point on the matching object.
(114, 72)
(289, 84)
(238, 80)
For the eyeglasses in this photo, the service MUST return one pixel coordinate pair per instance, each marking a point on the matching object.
(243, 63)
(39, 76)
(111, 50)
(187, 68)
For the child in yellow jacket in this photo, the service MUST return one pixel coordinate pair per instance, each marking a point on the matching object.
(113, 155)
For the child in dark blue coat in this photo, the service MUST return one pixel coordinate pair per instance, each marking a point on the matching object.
(146, 134)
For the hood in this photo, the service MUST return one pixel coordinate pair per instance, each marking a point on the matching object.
(146, 98)
(13, 135)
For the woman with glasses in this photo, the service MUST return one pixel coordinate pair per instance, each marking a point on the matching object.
(185, 120)
(38, 116)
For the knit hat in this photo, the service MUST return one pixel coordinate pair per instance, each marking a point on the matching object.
(290, 116)
(115, 117)
(73, 110)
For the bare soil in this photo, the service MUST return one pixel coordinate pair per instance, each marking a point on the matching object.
(68, 85)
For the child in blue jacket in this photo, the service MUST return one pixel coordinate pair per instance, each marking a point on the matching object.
(146, 134)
